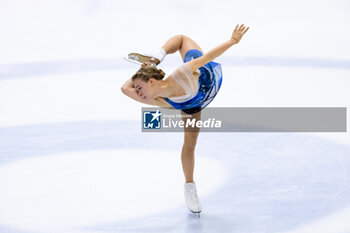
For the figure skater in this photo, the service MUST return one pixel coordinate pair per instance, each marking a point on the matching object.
(190, 88)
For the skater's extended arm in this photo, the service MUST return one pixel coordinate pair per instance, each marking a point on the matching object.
(217, 51)
(129, 90)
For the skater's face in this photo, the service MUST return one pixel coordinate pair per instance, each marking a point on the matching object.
(145, 89)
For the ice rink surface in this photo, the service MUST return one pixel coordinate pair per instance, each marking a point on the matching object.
(72, 155)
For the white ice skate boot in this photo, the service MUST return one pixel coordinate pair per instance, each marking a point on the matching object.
(155, 57)
(191, 198)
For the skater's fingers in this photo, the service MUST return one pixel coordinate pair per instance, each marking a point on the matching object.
(145, 64)
(246, 30)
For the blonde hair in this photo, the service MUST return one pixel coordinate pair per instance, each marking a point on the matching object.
(147, 72)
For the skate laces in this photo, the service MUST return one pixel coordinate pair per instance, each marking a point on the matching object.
(192, 197)
(191, 190)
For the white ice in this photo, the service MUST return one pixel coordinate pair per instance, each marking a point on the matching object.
(73, 159)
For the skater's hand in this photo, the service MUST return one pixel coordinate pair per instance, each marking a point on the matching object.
(145, 64)
(238, 33)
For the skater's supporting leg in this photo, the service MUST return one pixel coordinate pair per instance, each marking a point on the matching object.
(188, 148)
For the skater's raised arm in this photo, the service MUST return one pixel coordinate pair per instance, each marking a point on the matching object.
(217, 51)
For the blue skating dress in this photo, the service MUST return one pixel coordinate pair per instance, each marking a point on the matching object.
(209, 83)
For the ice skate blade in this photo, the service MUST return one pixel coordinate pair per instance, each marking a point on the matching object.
(143, 58)
(129, 59)
(132, 61)
(197, 213)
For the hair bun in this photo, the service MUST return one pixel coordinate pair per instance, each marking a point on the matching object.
(161, 72)
(146, 72)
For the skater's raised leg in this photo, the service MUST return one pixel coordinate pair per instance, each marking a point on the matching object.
(182, 43)
(178, 42)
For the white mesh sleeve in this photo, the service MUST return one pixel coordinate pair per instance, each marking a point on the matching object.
(185, 75)
(187, 79)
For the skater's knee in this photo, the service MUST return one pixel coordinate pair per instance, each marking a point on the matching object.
(190, 142)
(181, 37)
(189, 146)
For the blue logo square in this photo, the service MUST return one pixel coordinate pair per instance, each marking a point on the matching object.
(152, 119)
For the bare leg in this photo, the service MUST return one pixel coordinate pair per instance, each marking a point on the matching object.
(173, 44)
(188, 148)
(179, 43)
(182, 43)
